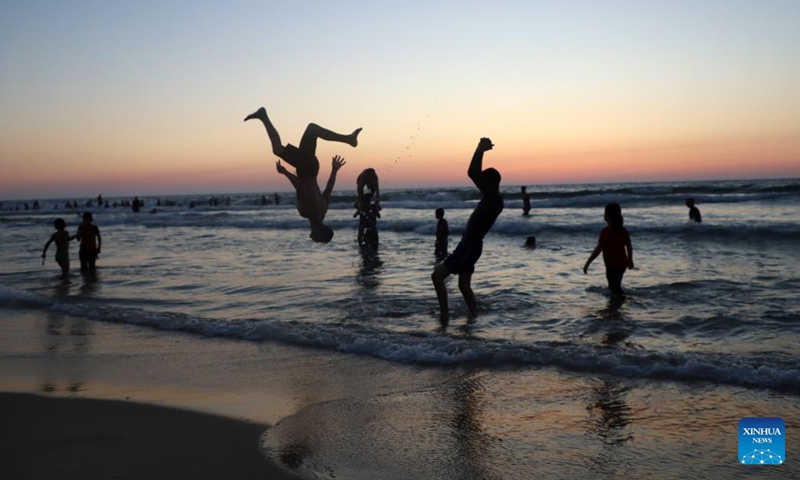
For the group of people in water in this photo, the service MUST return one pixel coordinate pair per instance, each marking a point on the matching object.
(90, 242)
(312, 204)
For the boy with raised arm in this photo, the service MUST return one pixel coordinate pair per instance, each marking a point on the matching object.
(462, 260)
(312, 204)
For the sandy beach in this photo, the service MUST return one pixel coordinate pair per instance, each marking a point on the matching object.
(75, 438)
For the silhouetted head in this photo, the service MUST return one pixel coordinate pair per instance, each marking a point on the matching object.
(87, 217)
(524, 189)
(530, 242)
(492, 177)
(440, 213)
(690, 202)
(60, 224)
(321, 233)
(613, 215)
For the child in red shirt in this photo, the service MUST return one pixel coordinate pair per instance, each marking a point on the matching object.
(615, 243)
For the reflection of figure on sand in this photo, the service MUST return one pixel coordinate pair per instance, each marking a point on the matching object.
(526, 201)
(368, 213)
(442, 235)
(312, 204)
(609, 415)
(694, 212)
(473, 444)
(615, 244)
(61, 239)
(90, 248)
(462, 260)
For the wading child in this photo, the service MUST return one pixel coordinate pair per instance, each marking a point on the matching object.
(61, 239)
(615, 243)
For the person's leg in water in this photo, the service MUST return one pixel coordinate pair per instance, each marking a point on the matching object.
(614, 277)
(438, 276)
(465, 286)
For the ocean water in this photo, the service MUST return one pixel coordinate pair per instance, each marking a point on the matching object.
(553, 376)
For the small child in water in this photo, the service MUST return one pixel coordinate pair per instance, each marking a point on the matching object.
(61, 239)
(615, 243)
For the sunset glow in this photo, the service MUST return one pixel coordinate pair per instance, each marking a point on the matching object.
(148, 98)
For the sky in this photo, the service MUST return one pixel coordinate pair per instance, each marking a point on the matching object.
(148, 97)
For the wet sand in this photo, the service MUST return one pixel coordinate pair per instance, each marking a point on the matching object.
(77, 438)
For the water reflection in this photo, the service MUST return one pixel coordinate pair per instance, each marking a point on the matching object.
(67, 341)
(608, 418)
(472, 443)
(91, 283)
(369, 268)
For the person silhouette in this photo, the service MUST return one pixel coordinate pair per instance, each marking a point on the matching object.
(61, 239)
(526, 201)
(89, 236)
(615, 245)
(312, 204)
(368, 213)
(694, 212)
(462, 260)
(442, 235)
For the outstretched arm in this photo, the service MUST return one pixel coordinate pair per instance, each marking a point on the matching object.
(476, 165)
(337, 163)
(46, 245)
(594, 255)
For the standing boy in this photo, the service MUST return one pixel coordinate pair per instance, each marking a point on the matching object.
(462, 260)
(90, 248)
(526, 201)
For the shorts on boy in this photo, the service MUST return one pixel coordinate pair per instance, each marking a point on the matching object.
(464, 257)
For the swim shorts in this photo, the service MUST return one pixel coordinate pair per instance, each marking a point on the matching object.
(305, 163)
(62, 257)
(464, 257)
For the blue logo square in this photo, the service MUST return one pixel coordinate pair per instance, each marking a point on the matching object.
(762, 441)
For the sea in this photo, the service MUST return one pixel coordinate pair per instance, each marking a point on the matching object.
(553, 378)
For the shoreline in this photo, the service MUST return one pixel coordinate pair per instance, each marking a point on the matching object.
(80, 438)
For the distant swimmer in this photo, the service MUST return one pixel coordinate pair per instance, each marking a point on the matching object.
(89, 236)
(530, 242)
(462, 260)
(694, 212)
(526, 201)
(312, 204)
(61, 239)
(442, 235)
(615, 244)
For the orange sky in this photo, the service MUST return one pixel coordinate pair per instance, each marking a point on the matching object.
(149, 99)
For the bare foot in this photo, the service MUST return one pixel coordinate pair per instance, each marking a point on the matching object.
(260, 114)
(353, 136)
